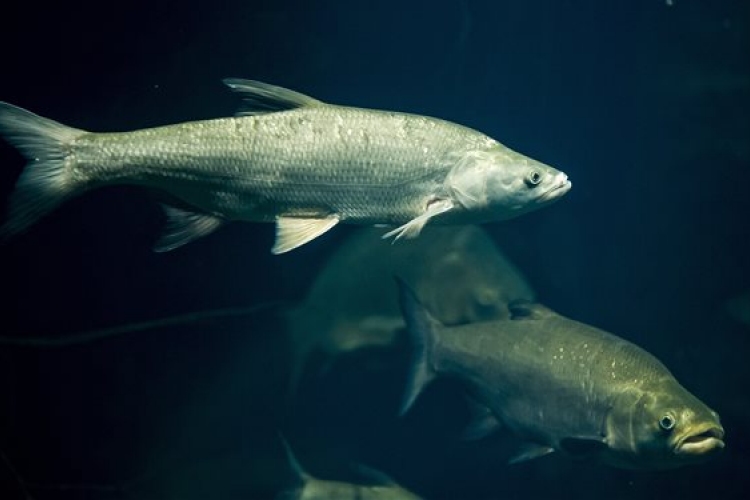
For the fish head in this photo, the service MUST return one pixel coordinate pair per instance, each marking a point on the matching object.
(669, 427)
(504, 184)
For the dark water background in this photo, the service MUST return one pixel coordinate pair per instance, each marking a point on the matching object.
(644, 104)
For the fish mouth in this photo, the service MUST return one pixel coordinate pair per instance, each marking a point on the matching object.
(710, 440)
(561, 186)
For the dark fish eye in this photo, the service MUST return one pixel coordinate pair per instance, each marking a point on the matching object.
(667, 422)
(534, 178)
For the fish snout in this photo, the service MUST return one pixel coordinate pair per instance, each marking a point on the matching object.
(705, 442)
(559, 185)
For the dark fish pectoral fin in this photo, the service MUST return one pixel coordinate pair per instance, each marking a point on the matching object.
(530, 451)
(483, 422)
(412, 228)
(293, 232)
(184, 227)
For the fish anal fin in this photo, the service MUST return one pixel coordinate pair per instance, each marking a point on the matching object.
(412, 228)
(530, 451)
(293, 232)
(183, 227)
(583, 446)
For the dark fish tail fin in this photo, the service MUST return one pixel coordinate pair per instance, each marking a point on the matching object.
(45, 183)
(421, 327)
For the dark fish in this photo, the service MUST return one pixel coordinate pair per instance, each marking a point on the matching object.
(561, 385)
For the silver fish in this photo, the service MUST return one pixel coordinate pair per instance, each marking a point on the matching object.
(561, 385)
(288, 159)
(308, 487)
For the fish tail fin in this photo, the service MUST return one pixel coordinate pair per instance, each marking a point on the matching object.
(45, 183)
(421, 327)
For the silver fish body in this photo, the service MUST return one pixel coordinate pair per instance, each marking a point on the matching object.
(292, 159)
(365, 166)
(561, 385)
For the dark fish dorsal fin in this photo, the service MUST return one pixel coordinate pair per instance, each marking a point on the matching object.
(262, 97)
(421, 327)
(522, 309)
(582, 446)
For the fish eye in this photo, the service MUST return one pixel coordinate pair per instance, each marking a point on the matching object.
(667, 422)
(533, 178)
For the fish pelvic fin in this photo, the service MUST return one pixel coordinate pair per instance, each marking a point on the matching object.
(421, 327)
(183, 227)
(412, 228)
(46, 182)
(260, 98)
(293, 232)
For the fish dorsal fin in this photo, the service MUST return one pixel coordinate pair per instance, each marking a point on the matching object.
(183, 227)
(293, 232)
(582, 446)
(262, 97)
(483, 421)
(522, 309)
(530, 451)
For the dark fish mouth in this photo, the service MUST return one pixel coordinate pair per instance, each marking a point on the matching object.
(560, 187)
(709, 441)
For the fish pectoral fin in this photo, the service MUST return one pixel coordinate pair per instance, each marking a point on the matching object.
(583, 446)
(530, 451)
(483, 421)
(293, 232)
(183, 227)
(412, 228)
